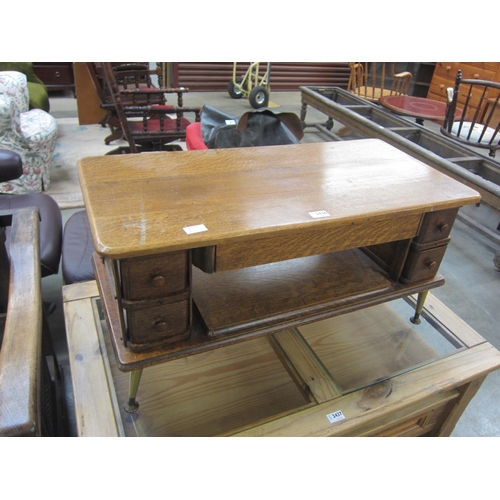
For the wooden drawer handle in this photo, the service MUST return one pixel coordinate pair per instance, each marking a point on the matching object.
(158, 281)
(431, 264)
(476, 75)
(160, 326)
(443, 227)
(441, 86)
(448, 68)
(58, 74)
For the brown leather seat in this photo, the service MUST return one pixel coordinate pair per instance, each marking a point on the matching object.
(11, 167)
(77, 250)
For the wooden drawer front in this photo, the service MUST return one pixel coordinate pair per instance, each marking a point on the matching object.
(479, 71)
(248, 253)
(438, 92)
(436, 226)
(154, 326)
(55, 75)
(155, 276)
(422, 264)
(445, 74)
(422, 423)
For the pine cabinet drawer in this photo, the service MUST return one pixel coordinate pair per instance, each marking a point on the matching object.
(478, 71)
(423, 422)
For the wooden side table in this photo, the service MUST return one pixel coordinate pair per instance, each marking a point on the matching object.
(420, 108)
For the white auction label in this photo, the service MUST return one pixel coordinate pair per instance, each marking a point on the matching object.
(335, 416)
(195, 229)
(230, 122)
(319, 213)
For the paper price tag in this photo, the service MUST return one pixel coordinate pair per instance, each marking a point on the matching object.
(319, 213)
(336, 416)
(195, 229)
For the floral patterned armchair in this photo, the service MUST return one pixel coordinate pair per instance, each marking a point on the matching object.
(31, 134)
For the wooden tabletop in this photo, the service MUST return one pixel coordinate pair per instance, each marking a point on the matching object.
(418, 107)
(150, 203)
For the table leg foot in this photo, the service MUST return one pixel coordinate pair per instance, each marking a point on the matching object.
(419, 307)
(135, 378)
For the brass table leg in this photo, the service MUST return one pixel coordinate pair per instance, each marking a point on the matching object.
(135, 379)
(419, 307)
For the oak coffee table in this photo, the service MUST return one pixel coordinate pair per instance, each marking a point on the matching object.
(199, 250)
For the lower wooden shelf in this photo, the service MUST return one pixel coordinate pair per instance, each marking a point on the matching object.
(385, 375)
(235, 306)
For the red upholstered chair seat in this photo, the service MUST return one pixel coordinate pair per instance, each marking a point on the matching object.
(155, 125)
(194, 139)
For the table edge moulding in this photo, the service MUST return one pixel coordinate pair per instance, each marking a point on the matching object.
(202, 249)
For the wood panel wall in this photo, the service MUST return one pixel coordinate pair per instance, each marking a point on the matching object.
(215, 76)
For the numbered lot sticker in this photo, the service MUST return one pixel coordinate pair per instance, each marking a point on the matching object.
(336, 416)
(195, 229)
(319, 213)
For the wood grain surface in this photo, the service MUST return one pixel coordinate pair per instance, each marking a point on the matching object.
(20, 354)
(140, 204)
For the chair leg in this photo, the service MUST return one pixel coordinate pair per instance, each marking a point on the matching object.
(115, 135)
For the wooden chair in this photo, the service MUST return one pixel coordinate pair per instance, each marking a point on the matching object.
(369, 80)
(130, 77)
(479, 123)
(146, 124)
(28, 403)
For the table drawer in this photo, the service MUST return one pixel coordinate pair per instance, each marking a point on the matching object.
(248, 253)
(151, 327)
(422, 264)
(436, 226)
(154, 276)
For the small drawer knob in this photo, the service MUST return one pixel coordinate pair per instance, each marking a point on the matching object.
(448, 68)
(431, 264)
(476, 75)
(441, 86)
(443, 227)
(158, 280)
(160, 326)
(58, 74)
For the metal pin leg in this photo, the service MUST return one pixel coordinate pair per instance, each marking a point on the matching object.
(135, 379)
(419, 307)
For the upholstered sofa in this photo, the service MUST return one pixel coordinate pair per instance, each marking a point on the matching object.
(38, 93)
(30, 133)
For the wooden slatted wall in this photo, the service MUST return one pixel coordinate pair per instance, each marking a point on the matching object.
(213, 76)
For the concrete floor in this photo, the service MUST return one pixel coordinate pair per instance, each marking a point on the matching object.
(472, 288)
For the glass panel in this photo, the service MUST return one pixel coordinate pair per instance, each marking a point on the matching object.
(206, 394)
(373, 344)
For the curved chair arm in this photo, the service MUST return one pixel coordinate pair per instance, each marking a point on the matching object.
(402, 80)
(20, 352)
(11, 165)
